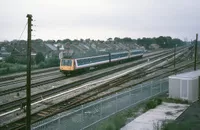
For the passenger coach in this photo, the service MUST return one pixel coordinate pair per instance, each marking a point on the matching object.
(70, 65)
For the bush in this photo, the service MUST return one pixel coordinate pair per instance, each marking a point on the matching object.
(52, 62)
(119, 121)
(153, 103)
(3, 71)
(109, 126)
(18, 60)
(7, 68)
(114, 123)
(41, 65)
(10, 59)
(4, 65)
(39, 57)
(159, 101)
(176, 126)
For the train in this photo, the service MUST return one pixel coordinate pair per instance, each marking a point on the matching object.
(72, 65)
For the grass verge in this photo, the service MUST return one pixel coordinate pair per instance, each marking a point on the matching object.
(171, 100)
(116, 122)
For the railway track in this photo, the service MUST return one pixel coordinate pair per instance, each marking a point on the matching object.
(36, 97)
(93, 94)
(89, 96)
(23, 74)
(17, 102)
(12, 77)
(35, 77)
(16, 89)
(32, 86)
(50, 92)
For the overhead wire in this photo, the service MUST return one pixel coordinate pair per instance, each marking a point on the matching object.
(20, 37)
(23, 30)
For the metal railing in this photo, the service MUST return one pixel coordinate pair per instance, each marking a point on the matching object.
(88, 116)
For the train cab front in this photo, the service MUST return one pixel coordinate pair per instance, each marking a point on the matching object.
(67, 66)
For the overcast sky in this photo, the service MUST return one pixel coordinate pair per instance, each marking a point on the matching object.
(100, 19)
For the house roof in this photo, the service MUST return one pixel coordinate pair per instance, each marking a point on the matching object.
(53, 48)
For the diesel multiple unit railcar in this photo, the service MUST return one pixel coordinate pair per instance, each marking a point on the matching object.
(71, 65)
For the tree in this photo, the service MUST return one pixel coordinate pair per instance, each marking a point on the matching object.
(75, 40)
(127, 39)
(117, 39)
(39, 57)
(10, 59)
(109, 39)
(38, 41)
(58, 41)
(53, 61)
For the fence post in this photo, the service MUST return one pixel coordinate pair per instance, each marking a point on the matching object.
(101, 109)
(151, 87)
(116, 103)
(82, 117)
(59, 122)
(160, 85)
(130, 97)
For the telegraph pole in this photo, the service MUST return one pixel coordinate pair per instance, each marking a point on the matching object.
(174, 55)
(28, 79)
(195, 53)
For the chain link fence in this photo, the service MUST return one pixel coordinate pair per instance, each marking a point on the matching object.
(88, 116)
